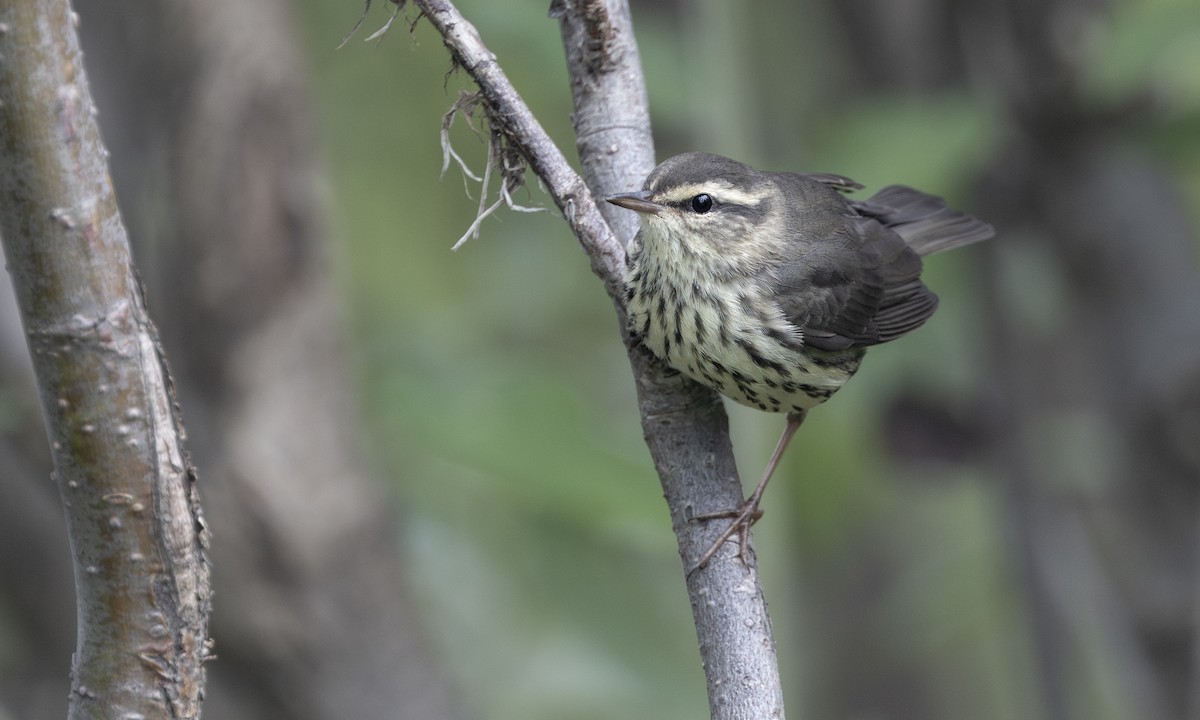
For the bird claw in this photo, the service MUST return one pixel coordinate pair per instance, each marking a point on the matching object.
(748, 512)
(743, 516)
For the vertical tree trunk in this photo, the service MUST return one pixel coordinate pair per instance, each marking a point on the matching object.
(137, 535)
(209, 120)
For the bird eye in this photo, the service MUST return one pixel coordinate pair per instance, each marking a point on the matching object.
(702, 203)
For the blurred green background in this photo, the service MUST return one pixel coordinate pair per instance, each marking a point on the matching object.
(500, 402)
(958, 534)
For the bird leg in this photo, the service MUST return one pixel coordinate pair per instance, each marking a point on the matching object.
(748, 512)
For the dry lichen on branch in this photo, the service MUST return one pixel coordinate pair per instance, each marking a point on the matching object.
(503, 157)
(378, 34)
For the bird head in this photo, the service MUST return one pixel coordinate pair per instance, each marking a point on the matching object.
(703, 203)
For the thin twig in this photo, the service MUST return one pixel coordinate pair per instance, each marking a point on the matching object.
(484, 208)
(378, 34)
(465, 106)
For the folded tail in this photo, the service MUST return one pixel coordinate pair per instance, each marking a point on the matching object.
(923, 220)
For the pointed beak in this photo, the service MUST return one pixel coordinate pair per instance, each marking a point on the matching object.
(636, 201)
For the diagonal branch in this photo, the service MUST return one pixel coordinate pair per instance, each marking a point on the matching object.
(510, 117)
(685, 425)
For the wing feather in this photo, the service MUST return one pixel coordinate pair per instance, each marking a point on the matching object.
(854, 280)
(923, 220)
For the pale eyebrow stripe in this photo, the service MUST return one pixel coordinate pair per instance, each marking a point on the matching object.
(722, 191)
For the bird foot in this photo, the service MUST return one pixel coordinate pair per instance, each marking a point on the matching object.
(743, 516)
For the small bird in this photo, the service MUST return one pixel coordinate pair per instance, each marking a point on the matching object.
(769, 286)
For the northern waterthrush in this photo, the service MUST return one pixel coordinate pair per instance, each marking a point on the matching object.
(769, 286)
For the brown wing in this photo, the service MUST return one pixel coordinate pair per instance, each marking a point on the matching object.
(857, 290)
(848, 280)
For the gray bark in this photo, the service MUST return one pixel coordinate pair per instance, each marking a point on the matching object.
(138, 539)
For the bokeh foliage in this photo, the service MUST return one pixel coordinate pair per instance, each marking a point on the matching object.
(502, 409)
